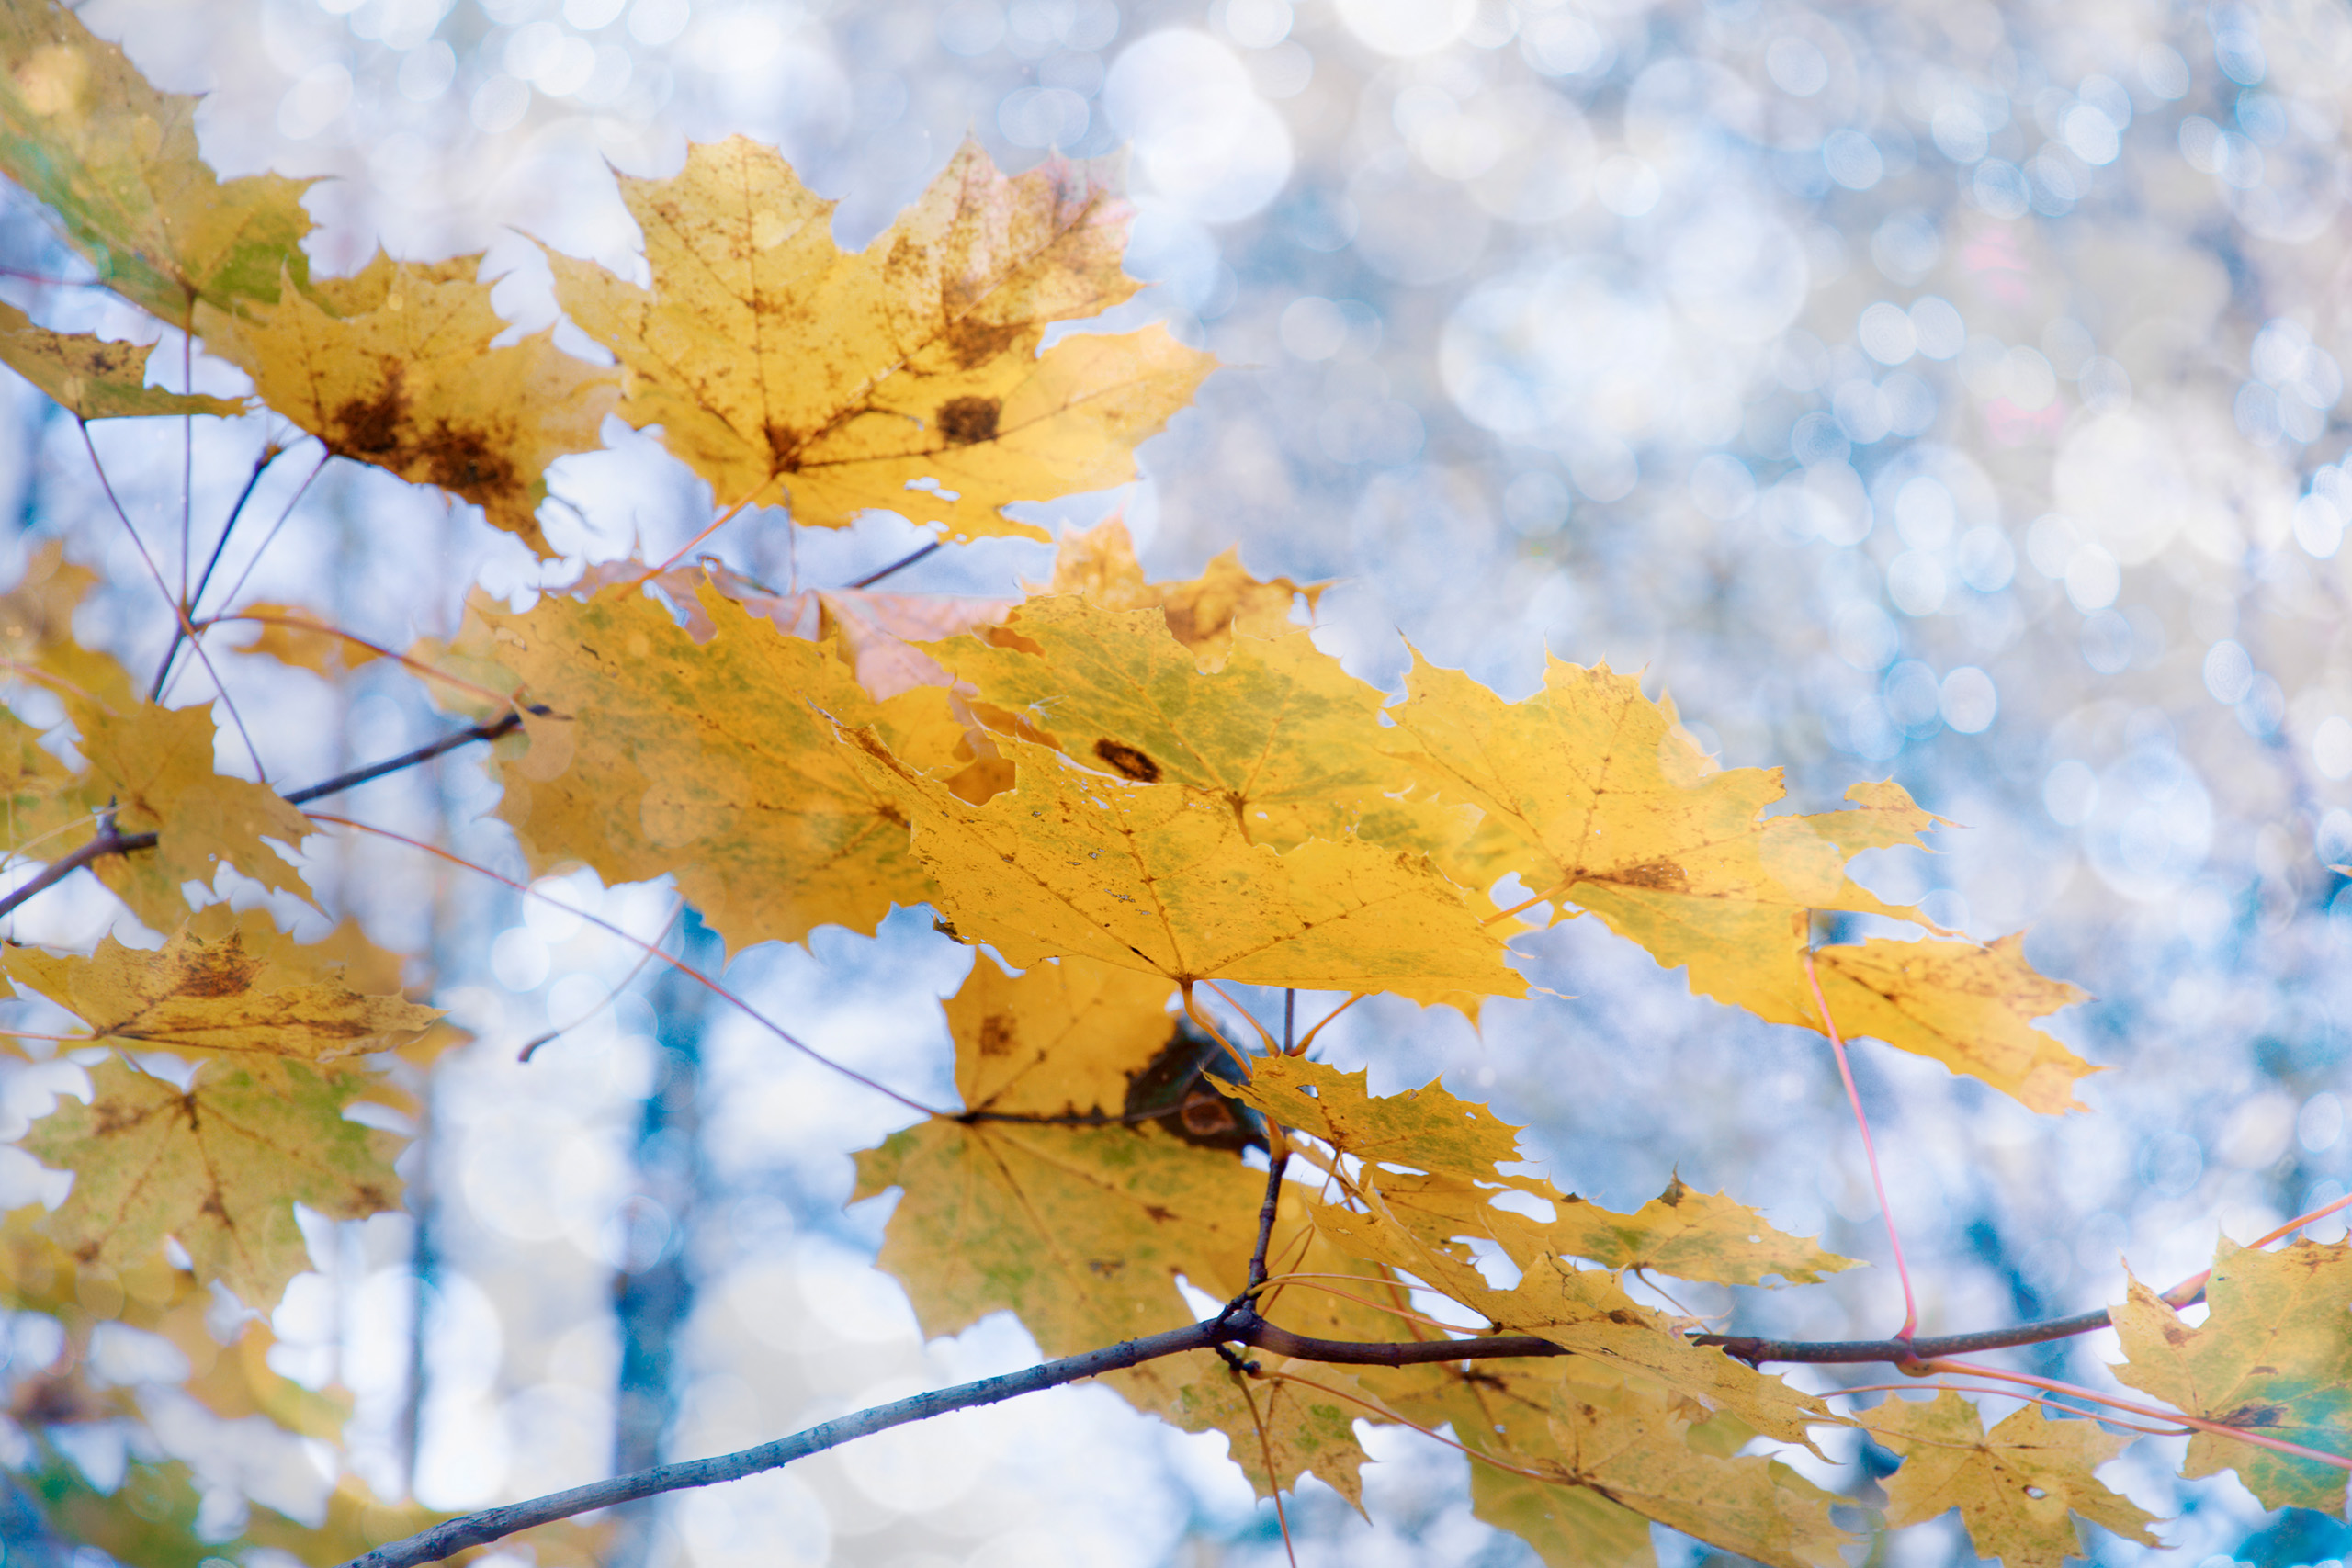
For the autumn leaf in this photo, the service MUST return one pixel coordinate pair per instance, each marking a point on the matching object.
(91, 376)
(904, 378)
(224, 982)
(1692, 1236)
(1205, 614)
(394, 367)
(2273, 1356)
(39, 794)
(1426, 1129)
(878, 632)
(2015, 1486)
(154, 767)
(1968, 1006)
(218, 1167)
(1061, 1037)
(1158, 877)
(1582, 1459)
(294, 636)
(117, 164)
(1457, 1150)
(713, 762)
(1596, 799)
(1584, 1311)
(1285, 737)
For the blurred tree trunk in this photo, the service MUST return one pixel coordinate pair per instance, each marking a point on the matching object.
(653, 1295)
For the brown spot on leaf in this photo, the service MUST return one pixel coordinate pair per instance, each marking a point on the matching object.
(1659, 874)
(997, 1036)
(964, 421)
(369, 427)
(1157, 1215)
(1126, 761)
(976, 343)
(464, 461)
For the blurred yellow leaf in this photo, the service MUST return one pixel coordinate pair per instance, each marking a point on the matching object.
(90, 376)
(2015, 1486)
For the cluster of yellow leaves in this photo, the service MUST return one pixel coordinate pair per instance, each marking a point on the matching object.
(1128, 789)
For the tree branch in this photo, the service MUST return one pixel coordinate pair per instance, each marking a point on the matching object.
(1238, 1324)
(491, 1524)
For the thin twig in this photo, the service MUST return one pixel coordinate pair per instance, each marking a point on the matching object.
(165, 587)
(162, 671)
(904, 561)
(108, 842)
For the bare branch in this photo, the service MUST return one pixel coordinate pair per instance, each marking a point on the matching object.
(904, 561)
(1238, 1324)
(492, 1524)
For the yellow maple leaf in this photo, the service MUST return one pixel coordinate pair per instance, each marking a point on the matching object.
(154, 767)
(1692, 1236)
(1596, 797)
(224, 982)
(711, 761)
(2015, 1486)
(1067, 1037)
(1159, 877)
(1585, 1457)
(295, 636)
(1288, 739)
(905, 378)
(2274, 1354)
(1426, 1129)
(117, 162)
(394, 367)
(218, 1167)
(1967, 1005)
(91, 376)
(1205, 614)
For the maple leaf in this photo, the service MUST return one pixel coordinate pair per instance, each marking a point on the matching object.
(2273, 1356)
(1584, 1311)
(394, 367)
(1067, 1037)
(877, 631)
(1584, 1459)
(1158, 877)
(2015, 1486)
(292, 635)
(224, 982)
(775, 364)
(1426, 1129)
(1205, 614)
(711, 761)
(91, 376)
(1966, 1005)
(1595, 796)
(38, 794)
(1457, 1149)
(218, 1167)
(154, 767)
(1692, 1236)
(1284, 736)
(115, 162)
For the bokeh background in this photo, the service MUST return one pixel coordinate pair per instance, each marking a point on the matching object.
(1948, 392)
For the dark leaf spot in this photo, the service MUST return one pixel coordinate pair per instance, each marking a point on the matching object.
(964, 421)
(997, 1036)
(1126, 761)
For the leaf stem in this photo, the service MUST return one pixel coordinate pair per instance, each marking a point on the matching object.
(1869, 1150)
